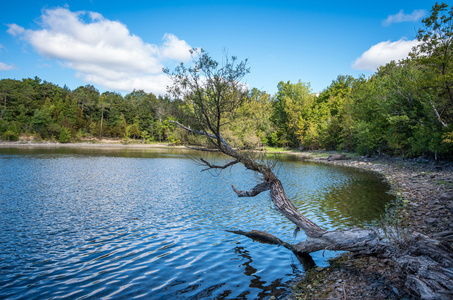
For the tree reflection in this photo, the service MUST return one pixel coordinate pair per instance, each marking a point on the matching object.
(276, 288)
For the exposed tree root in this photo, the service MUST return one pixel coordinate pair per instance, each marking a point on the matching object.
(427, 264)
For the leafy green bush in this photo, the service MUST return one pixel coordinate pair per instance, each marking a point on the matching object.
(10, 135)
(65, 135)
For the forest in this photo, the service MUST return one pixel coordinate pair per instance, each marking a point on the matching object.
(404, 109)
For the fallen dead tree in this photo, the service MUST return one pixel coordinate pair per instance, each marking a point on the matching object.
(214, 94)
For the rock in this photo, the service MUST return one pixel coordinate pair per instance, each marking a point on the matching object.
(426, 190)
(444, 235)
(446, 196)
(422, 159)
(430, 220)
(450, 207)
(395, 290)
(337, 157)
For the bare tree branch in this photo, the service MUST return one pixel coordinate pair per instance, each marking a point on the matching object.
(262, 187)
(264, 237)
(198, 132)
(202, 149)
(438, 115)
(211, 166)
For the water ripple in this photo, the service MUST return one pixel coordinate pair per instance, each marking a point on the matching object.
(148, 225)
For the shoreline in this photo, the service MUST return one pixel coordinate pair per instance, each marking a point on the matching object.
(99, 144)
(425, 190)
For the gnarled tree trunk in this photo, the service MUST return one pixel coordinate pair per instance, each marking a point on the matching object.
(216, 92)
(426, 263)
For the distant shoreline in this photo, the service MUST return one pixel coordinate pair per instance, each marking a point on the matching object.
(109, 144)
(117, 144)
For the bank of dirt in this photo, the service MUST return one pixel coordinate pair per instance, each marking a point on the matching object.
(425, 189)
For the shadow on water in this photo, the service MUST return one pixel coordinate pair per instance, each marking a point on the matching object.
(89, 223)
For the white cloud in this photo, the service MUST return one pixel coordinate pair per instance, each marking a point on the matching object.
(174, 48)
(5, 67)
(402, 17)
(102, 51)
(382, 53)
(15, 29)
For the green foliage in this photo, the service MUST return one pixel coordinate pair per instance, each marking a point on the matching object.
(10, 135)
(51, 112)
(448, 137)
(133, 131)
(434, 56)
(293, 111)
(65, 135)
(252, 124)
(404, 109)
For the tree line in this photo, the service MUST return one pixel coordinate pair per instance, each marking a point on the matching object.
(404, 109)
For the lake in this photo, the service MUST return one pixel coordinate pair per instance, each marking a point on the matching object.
(146, 223)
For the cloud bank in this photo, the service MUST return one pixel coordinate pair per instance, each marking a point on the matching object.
(382, 53)
(103, 52)
(402, 17)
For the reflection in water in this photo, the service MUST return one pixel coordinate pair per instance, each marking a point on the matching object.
(146, 223)
(305, 260)
(273, 289)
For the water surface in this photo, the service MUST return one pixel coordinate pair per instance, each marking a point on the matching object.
(146, 223)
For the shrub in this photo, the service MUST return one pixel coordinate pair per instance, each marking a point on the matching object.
(10, 135)
(65, 135)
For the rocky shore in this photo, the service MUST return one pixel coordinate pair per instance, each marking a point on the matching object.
(424, 192)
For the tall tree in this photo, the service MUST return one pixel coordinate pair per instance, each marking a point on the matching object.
(434, 53)
(87, 97)
(103, 104)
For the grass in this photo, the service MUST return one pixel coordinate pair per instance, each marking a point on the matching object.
(278, 149)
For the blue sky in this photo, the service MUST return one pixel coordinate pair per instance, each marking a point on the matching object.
(123, 45)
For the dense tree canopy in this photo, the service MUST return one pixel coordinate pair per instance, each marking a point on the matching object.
(404, 109)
